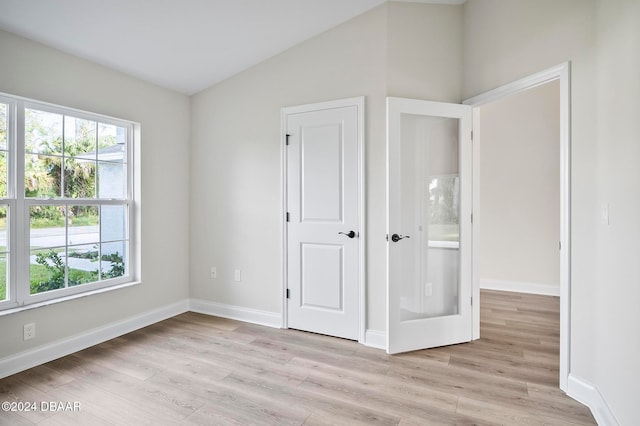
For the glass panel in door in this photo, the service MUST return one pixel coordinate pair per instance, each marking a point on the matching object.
(429, 179)
(430, 214)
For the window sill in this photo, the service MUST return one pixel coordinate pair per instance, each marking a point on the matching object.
(36, 305)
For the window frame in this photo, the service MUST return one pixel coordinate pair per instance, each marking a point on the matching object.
(18, 217)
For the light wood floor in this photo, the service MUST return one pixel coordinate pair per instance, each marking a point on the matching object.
(196, 369)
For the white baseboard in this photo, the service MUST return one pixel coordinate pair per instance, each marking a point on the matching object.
(521, 287)
(376, 339)
(255, 316)
(45, 353)
(589, 395)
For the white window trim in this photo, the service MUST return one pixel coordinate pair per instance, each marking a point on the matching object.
(18, 241)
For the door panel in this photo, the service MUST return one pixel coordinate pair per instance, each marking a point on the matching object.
(429, 178)
(321, 173)
(322, 276)
(323, 206)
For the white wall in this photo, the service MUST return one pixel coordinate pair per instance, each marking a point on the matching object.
(615, 338)
(236, 151)
(520, 191)
(32, 70)
(424, 52)
(236, 156)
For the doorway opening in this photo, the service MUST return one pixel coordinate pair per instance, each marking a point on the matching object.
(521, 189)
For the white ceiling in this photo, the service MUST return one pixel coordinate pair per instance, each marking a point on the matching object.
(184, 45)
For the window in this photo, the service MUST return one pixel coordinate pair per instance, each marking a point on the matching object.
(66, 202)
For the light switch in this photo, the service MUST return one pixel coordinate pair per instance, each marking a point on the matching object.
(605, 214)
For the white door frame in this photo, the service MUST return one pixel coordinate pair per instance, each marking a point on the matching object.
(359, 103)
(562, 73)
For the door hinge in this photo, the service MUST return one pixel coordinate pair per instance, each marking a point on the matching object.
(471, 301)
(472, 136)
(559, 245)
(286, 139)
(472, 218)
(287, 216)
(288, 294)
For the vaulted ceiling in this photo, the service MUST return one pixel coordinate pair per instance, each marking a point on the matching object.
(184, 45)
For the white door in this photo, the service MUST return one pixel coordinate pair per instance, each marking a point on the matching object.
(323, 227)
(429, 224)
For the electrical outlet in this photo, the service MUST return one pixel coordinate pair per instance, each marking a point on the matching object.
(29, 331)
(237, 276)
(214, 272)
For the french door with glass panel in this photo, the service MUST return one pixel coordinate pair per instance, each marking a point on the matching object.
(429, 224)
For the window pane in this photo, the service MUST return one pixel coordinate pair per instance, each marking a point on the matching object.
(111, 143)
(47, 270)
(114, 260)
(47, 243)
(111, 180)
(3, 150)
(79, 178)
(84, 226)
(82, 262)
(113, 223)
(47, 225)
(80, 153)
(3, 174)
(64, 255)
(3, 126)
(3, 228)
(79, 138)
(42, 176)
(4, 279)
(4, 294)
(43, 132)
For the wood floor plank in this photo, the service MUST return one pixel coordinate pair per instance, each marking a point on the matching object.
(113, 408)
(70, 418)
(17, 389)
(12, 418)
(477, 352)
(557, 402)
(133, 366)
(377, 399)
(44, 378)
(308, 400)
(526, 372)
(499, 414)
(228, 405)
(195, 369)
(168, 401)
(360, 384)
(302, 339)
